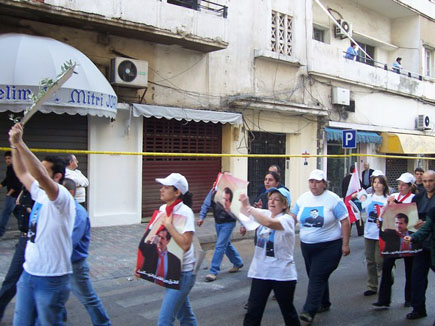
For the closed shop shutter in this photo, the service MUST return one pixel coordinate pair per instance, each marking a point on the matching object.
(172, 136)
(51, 131)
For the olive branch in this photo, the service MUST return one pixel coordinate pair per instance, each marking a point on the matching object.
(44, 86)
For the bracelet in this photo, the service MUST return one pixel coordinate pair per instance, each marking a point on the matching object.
(12, 146)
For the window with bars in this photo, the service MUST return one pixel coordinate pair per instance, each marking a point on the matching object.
(281, 33)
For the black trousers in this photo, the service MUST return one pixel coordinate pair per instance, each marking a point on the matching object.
(321, 259)
(420, 270)
(387, 279)
(284, 293)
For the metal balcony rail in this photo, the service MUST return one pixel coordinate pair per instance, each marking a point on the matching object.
(384, 66)
(199, 5)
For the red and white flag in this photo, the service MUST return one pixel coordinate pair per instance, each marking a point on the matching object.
(354, 187)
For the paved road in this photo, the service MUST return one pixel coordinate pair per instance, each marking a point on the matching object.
(221, 302)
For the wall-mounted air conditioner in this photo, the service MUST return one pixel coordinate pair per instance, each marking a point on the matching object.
(340, 96)
(422, 122)
(129, 72)
(346, 26)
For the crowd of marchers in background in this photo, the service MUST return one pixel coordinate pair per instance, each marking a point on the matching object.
(50, 259)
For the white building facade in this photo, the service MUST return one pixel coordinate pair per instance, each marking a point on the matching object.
(231, 78)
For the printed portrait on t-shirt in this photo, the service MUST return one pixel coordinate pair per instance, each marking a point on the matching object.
(33, 221)
(312, 217)
(372, 211)
(265, 238)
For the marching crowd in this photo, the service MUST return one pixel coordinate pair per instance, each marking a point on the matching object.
(50, 258)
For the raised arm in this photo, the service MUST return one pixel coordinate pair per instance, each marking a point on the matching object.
(27, 166)
(259, 214)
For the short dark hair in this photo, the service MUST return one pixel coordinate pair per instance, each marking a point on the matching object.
(168, 235)
(8, 153)
(59, 165)
(69, 185)
(419, 169)
(398, 59)
(69, 158)
(230, 192)
(402, 216)
(274, 175)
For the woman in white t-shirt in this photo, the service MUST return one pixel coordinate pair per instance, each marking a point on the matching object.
(405, 195)
(371, 233)
(324, 234)
(174, 192)
(273, 266)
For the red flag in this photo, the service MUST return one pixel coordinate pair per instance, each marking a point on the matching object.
(354, 187)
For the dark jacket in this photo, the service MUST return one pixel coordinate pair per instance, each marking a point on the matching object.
(21, 212)
(11, 182)
(370, 171)
(427, 231)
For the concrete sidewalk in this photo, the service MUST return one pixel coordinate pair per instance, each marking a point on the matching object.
(113, 249)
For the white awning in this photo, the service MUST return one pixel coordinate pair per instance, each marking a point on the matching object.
(186, 114)
(25, 60)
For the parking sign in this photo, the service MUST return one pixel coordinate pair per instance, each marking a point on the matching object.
(349, 139)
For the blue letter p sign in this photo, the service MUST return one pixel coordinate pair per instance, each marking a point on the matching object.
(349, 138)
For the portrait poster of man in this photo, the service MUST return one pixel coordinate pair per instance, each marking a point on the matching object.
(398, 221)
(364, 198)
(228, 190)
(159, 258)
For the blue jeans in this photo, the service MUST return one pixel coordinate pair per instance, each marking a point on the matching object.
(224, 246)
(9, 286)
(42, 297)
(8, 207)
(176, 303)
(321, 259)
(82, 288)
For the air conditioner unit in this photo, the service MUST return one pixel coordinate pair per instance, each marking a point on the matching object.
(422, 122)
(340, 96)
(129, 72)
(346, 26)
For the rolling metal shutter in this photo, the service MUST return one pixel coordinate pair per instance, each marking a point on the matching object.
(51, 131)
(172, 136)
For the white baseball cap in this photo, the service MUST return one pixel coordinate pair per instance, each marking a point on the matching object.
(317, 175)
(177, 180)
(407, 178)
(377, 173)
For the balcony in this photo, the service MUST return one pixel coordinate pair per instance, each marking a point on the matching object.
(329, 62)
(159, 21)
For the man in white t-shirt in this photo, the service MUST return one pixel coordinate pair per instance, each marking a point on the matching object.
(73, 173)
(44, 285)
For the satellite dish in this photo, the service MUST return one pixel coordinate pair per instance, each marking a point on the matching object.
(127, 71)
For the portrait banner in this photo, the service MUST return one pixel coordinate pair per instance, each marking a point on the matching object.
(226, 197)
(159, 257)
(398, 221)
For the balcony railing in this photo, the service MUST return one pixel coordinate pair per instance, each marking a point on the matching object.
(378, 64)
(198, 5)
